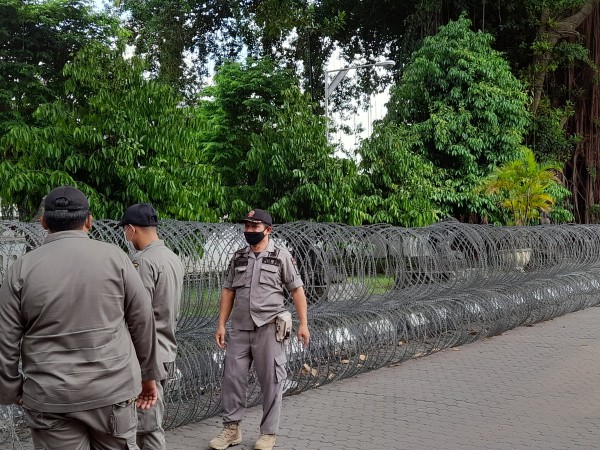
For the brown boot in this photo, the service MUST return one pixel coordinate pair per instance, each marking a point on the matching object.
(230, 435)
(265, 442)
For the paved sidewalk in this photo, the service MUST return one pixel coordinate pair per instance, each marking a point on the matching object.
(530, 388)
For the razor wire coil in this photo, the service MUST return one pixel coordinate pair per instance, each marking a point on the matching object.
(377, 295)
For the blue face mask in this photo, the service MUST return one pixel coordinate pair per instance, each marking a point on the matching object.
(254, 237)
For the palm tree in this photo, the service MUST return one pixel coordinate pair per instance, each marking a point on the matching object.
(522, 187)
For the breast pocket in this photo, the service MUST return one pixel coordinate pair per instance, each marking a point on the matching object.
(239, 277)
(269, 274)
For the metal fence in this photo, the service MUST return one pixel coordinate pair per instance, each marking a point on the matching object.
(378, 295)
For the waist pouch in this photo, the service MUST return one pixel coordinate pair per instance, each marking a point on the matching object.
(283, 326)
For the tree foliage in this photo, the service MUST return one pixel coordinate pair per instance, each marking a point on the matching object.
(524, 187)
(551, 46)
(292, 32)
(396, 183)
(119, 137)
(242, 99)
(297, 176)
(455, 113)
(36, 40)
(464, 110)
(168, 32)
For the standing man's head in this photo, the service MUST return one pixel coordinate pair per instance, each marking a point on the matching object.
(139, 225)
(258, 224)
(66, 208)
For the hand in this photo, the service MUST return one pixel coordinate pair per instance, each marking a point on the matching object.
(303, 335)
(220, 337)
(149, 395)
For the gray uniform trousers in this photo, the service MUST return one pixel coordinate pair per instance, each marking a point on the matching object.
(260, 346)
(150, 433)
(106, 428)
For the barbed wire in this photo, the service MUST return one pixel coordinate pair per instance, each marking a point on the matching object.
(378, 295)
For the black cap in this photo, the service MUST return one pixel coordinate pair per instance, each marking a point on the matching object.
(140, 214)
(258, 216)
(66, 198)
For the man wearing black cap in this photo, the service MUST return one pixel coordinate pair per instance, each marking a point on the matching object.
(162, 273)
(77, 314)
(253, 294)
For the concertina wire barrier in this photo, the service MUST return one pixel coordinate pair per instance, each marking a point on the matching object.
(378, 295)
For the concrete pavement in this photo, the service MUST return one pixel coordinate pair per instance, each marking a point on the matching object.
(530, 388)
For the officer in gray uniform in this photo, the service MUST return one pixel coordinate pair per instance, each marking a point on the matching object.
(162, 273)
(253, 294)
(77, 314)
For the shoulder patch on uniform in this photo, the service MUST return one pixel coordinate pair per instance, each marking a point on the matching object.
(240, 262)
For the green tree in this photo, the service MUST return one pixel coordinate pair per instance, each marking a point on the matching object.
(465, 111)
(558, 21)
(37, 40)
(119, 137)
(167, 32)
(243, 98)
(395, 184)
(523, 188)
(551, 45)
(295, 33)
(298, 178)
(170, 32)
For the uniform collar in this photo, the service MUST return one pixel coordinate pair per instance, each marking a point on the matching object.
(156, 243)
(270, 246)
(65, 235)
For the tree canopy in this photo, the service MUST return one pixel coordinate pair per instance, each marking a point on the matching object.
(298, 178)
(463, 109)
(396, 184)
(37, 39)
(119, 137)
(473, 82)
(244, 96)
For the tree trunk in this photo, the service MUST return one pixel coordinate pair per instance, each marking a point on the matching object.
(552, 34)
(585, 123)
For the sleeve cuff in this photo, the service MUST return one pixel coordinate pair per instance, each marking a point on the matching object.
(293, 285)
(155, 373)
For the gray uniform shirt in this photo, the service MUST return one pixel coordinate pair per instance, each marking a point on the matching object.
(162, 272)
(258, 282)
(82, 314)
